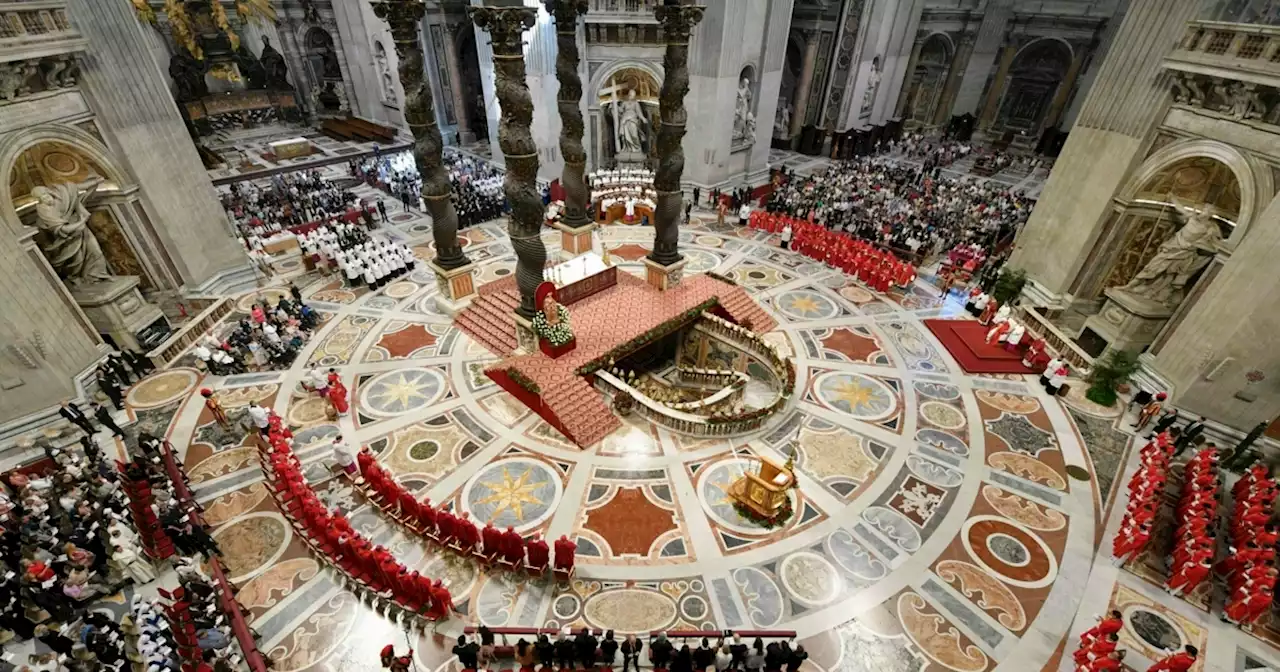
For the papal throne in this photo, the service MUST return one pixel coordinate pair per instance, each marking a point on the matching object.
(764, 492)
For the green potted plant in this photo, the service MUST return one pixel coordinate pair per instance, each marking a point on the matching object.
(1009, 285)
(1109, 374)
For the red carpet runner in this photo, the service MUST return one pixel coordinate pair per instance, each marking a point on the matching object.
(964, 339)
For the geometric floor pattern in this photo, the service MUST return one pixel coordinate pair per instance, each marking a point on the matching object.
(935, 528)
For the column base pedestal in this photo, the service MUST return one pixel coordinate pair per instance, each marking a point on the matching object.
(457, 288)
(662, 277)
(574, 241)
(116, 308)
(1128, 322)
(526, 339)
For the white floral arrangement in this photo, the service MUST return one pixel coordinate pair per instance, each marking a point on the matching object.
(556, 334)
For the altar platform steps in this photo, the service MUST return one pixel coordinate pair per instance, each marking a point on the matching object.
(581, 410)
(743, 310)
(490, 319)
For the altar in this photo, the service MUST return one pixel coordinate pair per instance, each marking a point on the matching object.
(291, 148)
(580, 277)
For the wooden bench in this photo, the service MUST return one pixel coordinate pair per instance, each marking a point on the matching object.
(357, 129)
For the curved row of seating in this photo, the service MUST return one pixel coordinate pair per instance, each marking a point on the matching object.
(369, 570)
(497, 549)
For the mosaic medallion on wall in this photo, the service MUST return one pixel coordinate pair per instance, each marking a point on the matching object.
(806, 304)
(401, 391)
(858, 396)
(515, 491)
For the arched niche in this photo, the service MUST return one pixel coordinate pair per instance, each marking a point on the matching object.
(1191, 174)
(1037, 70)
(322, 57)
(744, 106)
(617, 81)
(48, 155)
(929, 79)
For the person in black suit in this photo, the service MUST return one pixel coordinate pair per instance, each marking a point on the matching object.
(104, 417)
(141, 365)
(468, 653)
(798, 656)
(564, 651)
(660, 650)
(704, 656)
(545, 651)
(1189, 434)
(586, 644)
(110, 386)
(631, 648)
(608, 649)
(77, 417)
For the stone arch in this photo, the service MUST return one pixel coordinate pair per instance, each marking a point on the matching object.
(69, 154)
(321, 54)
(1255, 182)
(598, 81)
(1036, 73)
(928, 79)
(15, 145)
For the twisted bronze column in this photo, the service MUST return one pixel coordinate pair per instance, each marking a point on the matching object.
(677, 22)
(405, 17)
(506, 26)
(569, 100)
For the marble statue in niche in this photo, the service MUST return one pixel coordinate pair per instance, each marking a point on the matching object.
(277, 73)
(65, 237)
(632, 123)
(873, 86)
(1164, 279)
(384, 73)
(782, 120)
(744, 121)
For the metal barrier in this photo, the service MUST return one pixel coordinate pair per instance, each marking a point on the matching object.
(230, 608)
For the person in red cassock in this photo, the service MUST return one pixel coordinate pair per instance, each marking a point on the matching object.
(337, 392)
(448, 524)
(393, 662)
(565, 550)
(539, 553)
(364, 458)
(427, 515)
(1178, 662)
(441, 601)
(513, 547)
(466, 533)
(408, 506)
(492, 538)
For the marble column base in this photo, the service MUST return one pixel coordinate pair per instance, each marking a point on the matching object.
(1038, 295)
(1148, 378)
(457, 288)
(662, 277)
(1128, 322)
(574, 241)
(116, 308)
(526, 339)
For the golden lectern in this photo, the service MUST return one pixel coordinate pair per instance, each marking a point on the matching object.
(764, 492)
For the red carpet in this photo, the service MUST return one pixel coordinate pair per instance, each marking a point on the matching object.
(964, 339)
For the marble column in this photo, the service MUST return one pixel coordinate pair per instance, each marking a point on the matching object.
(575, 226)
(987, 44)
(506, 26)
(1054, 113)
(131, 98)
(800, 105)
(955, 72)
(665, 265)
(909, 76)
(1130, 94)
(455, 75)
(452, 268)
(991, 107)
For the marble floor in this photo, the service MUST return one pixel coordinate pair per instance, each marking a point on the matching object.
(248, 155)
(940, 522)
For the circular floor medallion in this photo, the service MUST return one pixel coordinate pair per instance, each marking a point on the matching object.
(252, 543)
(1077, 472)
(161, 388)
(1154, 629)
(1009, 551)
(856, 395)
(518, 492)
(806, 304)
(942, 415)
(401, 391)
(630, 610)
(810, 578)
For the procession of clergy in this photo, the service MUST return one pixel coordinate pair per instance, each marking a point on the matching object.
(358, 257)
(876, 268)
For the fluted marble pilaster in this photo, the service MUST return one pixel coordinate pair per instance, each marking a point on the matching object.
(569, 101)
(506, 26)
(677, 23)
(405, 17)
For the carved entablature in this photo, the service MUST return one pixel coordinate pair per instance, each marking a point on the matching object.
(646, 34)
(1228, 68)
(38, 48)
(1234, 98)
